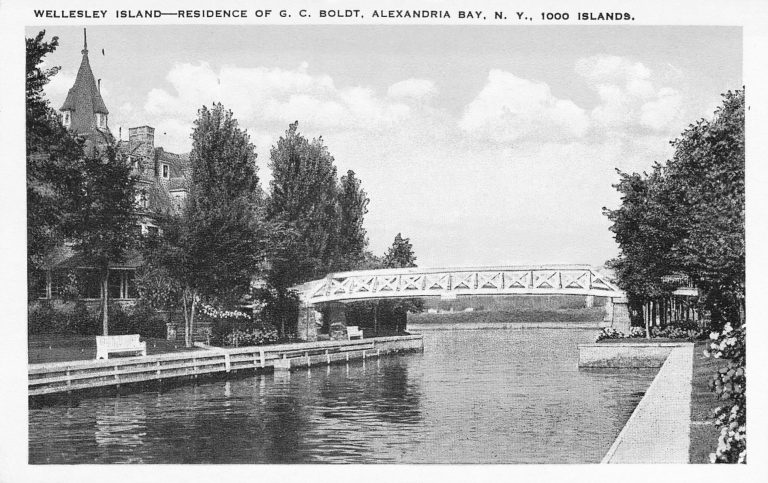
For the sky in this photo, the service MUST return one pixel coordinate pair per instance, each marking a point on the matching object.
(483, 145)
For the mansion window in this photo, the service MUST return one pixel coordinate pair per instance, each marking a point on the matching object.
(67, 118)
(141, 199)
(122, 284)
(166, 172)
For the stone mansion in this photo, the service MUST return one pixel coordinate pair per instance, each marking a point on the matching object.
(161, 188)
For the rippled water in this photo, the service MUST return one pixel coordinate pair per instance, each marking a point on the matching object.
(495, 396)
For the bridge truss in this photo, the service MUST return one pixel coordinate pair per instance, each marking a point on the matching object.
(452, 282)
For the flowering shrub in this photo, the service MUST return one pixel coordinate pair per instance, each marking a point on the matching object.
(730, 384)
(214, 313)
(611, 333)
(678, 330)
(240, 338)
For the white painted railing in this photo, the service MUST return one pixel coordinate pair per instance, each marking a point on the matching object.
(61, 377)
(449, 282)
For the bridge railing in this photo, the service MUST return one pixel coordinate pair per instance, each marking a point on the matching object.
(419, 282)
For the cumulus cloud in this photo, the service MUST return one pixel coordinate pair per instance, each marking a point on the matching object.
(412, 89)
(262, 95)
(510, 108)
(629, 95)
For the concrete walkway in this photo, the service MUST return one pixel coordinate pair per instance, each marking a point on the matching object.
(659, 429)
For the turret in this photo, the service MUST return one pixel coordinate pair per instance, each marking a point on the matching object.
(84, 112)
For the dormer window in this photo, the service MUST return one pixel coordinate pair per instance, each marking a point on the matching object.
(166, 173)
(67, 118)
(101, 120)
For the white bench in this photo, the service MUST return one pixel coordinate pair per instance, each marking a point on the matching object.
(115, 344)
(353, 332)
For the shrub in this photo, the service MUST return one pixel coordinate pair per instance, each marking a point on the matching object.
(80, 321)
(146, 321)
(609, 333)
(41, 319)
(141, 319)
(730, 385)
(687, 330)
(240, 338)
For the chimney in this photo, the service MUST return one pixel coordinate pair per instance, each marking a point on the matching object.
(144, 135)
(99, 85)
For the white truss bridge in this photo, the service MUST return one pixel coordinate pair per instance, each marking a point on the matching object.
(452, 282)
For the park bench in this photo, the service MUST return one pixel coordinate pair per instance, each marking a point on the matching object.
(353, 332)
(116, 344)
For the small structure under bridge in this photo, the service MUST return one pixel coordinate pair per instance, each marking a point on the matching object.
(336, 289)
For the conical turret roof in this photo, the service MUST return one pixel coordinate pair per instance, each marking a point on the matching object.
(84, 99)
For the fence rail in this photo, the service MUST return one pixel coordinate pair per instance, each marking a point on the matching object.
(62, 377)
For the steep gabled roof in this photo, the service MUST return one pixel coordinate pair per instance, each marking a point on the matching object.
(84, 99)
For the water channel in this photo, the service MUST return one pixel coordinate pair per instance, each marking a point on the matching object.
(474, 396)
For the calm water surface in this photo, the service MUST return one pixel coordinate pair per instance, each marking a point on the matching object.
(490, 396)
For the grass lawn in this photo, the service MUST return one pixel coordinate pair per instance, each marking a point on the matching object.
(704, 434)
(594, 314)
(59, 348)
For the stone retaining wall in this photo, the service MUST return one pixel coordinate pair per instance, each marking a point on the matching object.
(658, 431)
(643, 354)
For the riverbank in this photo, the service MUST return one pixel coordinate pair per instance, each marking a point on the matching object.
(702, 432)
(88, 375)
(592, 316)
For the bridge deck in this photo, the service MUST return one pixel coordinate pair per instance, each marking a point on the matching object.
(450, 282)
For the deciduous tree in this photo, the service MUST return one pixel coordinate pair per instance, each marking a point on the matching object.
(54, 159)
(214, 248)
(303, 200)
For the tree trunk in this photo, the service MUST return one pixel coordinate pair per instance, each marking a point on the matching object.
(105, 302)
(191, 329)
(647, 319)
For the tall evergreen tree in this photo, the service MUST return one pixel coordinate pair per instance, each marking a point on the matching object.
(400, 254)
(303, 200)
(215, 247)
(352, 240)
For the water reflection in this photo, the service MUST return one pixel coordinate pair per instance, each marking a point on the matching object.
(119, 428)
(472, 396)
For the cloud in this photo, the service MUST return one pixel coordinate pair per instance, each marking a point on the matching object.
(510, 108)
(412, 89)
(56, 90)
(262, 96)
(629, 95)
